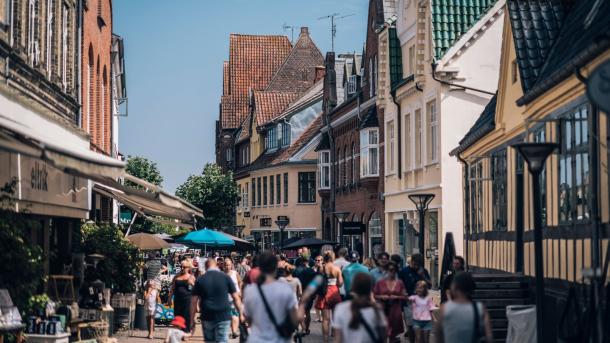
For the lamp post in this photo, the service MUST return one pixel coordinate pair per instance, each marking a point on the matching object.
(421, 201)
(281, 223)
(535, 154)
(341, 215)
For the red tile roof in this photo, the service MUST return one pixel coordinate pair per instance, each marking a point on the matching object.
(245, 129)
(310, 132)
(225, 77)
(269, 105)
(233, 110)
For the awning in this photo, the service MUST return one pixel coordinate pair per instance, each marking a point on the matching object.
(26, 132)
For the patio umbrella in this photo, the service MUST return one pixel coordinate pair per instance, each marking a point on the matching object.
(147, 241)
(166, 237)
(206, 238)
(308, 242)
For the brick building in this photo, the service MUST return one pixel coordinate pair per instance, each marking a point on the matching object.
(351, 153)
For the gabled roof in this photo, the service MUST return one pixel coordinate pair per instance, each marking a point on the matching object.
(233, 110)
(580, 36)
(298, 71)
(535, 26)
(254, 59)
(225, 77)
(482, 126)
(269, 105)
(244, 132)
(311, 95)
(452, 18)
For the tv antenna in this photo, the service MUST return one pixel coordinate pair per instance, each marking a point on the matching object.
(333, 26)
(287, 27)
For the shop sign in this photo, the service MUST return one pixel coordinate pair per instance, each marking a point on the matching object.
(247, 214)
(598, 86)
(125, 217)
(352, 228)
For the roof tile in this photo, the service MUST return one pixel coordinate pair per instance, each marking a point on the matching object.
(269, 105)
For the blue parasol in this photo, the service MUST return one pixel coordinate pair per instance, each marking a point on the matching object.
(206, 238)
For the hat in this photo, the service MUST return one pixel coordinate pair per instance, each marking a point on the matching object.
(354, 256)
(179, 322)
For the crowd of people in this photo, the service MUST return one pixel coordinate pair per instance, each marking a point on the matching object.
(269, 298)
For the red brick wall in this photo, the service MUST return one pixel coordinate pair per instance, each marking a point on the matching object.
(96, 88)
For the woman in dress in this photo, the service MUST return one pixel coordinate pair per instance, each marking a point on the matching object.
(327, 302)
(181, 289)
(229, 269)
(391, 292)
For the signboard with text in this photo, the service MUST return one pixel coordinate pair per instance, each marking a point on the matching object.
(352, 228)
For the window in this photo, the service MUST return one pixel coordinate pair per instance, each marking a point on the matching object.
(284, 136)
(418, 138)
(476, 196)
(324, 169)
(245, 154)
(344, 176)
(341, 169)
(307, 187)
(258, 195)
(351, 84)
(369, 152)
(574, 166)
(278, 181)
(89, 85)
(354, 164)
(392, 142)
(50, 30)
(253, 180)
(33, 32)
(348, 165)
(433, 132)
(265, 222)
(64, 45)
(411, 69)
(285, 188)
(271, 141)
(271, 192)
(244, 196)
(408, 138)
(265, 191)
(229, 154)
(499, 203)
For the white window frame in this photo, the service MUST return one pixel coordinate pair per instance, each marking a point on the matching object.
(324, 166)
(50, 30)
(391, 151)
(408, 141)
(351, 84)
(31, 31)
(244, 196)
(64, 45)
(369, 143)
(418, 138)
(432, 144)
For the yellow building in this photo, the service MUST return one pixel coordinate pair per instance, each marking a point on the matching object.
(541, 98)
(437, 70)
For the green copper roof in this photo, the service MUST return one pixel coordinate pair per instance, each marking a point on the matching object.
(452, 18)
(395, 57)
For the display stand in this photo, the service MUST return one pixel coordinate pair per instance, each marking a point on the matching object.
(59, 338)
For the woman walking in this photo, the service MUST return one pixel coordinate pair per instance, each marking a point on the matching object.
(326, 303)
(182, 287)
(359, 320)
(391, 292)
(294, 283)
(461, 319)
(229, 269)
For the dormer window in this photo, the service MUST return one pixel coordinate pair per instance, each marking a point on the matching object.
(271, 141)
(352, 83)
(284, 134)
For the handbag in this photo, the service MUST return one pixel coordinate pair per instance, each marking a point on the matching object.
(286, 329)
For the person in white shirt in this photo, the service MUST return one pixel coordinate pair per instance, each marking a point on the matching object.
(341, 262)
(359, 320)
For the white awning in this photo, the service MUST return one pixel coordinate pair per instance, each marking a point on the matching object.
(26, 132)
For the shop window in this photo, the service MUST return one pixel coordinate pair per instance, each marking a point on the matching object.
(574, 166)
(307, 187)
(499, 196)
(369, 152)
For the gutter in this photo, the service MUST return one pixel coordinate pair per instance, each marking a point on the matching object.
(434, 65)
(399, 119)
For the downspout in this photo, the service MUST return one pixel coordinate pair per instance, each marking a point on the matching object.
(456, 85)
(79, 53)
(466, 208)
(398, 133)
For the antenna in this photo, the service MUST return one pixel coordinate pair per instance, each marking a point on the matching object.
(287, 27)
(333, 27)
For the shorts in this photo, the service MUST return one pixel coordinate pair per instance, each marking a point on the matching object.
(408, 314)
(216, 331)
(425, 325)
(330, 299)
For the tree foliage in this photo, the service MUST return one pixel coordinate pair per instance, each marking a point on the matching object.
(144, 169)
(214, 192)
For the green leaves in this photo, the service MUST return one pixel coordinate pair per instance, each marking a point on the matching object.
(214, 192)
(143, 168)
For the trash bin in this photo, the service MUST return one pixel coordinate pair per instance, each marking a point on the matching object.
(521, 324)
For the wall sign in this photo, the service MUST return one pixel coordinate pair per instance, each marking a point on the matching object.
(352, 228)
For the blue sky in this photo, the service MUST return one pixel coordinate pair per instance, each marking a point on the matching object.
(173, 54)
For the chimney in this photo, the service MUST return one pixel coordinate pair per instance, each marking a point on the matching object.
(304, 30)
(320, 71)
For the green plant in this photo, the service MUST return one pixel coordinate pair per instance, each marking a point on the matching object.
(119, 268)
(36, 304)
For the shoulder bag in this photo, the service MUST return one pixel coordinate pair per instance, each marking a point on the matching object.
(286, 329)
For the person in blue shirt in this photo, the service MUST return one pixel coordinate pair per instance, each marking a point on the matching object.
(350, 270)
(378, 272)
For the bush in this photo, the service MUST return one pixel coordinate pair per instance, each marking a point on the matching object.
(119, 269)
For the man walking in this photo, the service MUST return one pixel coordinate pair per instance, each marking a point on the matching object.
(351, 270)
(341, 262)
(457, 266)
(378, 272)
(212, 291)
(305, 274)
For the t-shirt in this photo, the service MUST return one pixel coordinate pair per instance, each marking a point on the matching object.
(410, 277)
(294, 283)
(281, 300)
(153, 268)
(343, 315)
(213, 289)
(349, 272)
(175, 335)
(305, 275)
(422, 307)
(377, 274)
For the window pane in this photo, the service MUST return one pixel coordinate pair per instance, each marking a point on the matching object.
(278, 189)
(374, 158)
(271, 190)
(285, 188)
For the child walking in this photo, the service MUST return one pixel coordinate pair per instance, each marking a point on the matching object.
(176, 333)
(151, 295)
(422, 306)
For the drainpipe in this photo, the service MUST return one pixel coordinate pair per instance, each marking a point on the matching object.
(466, 207)
(456, 85)
(79, 54)
(398, 133)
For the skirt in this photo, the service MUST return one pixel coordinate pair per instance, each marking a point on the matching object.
(330, 299)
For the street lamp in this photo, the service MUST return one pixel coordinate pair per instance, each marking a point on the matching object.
(421, 201)
(281, 223)
(341, 215)
(535, 154)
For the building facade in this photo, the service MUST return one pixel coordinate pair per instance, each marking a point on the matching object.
(542, 98)
(439, 66)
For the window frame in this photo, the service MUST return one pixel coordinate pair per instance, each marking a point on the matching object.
(253, 186)
(418, 156)
(271, 190)
(285, 188)
(324, 166)
(432, 136)
(391, 151)
(265, 193)
(366, 148)
(307, 187)
(499, 186)
(278, 185)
